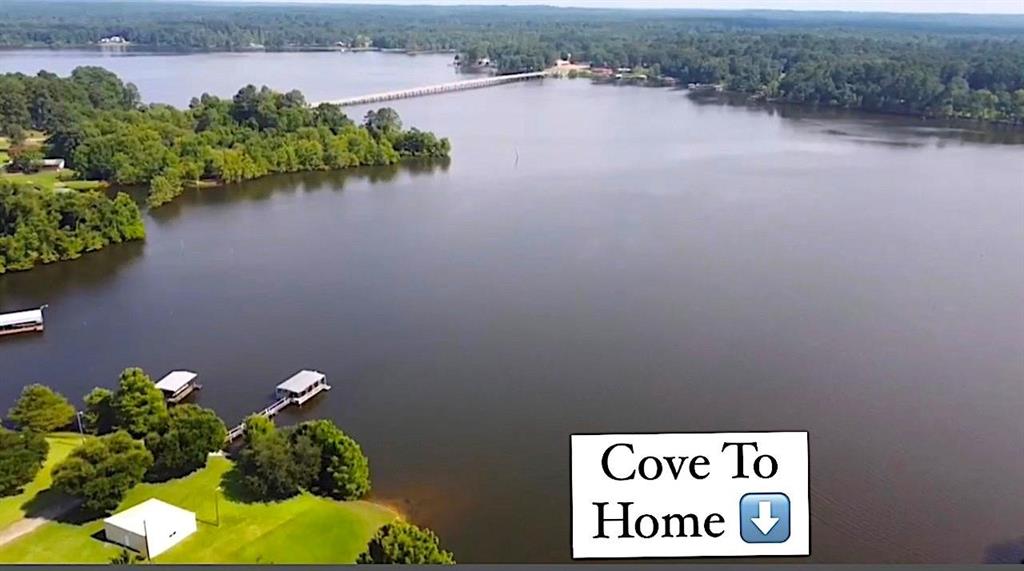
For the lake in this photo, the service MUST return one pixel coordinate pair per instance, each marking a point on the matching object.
(592, 259)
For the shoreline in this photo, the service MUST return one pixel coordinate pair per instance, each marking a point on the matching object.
(717, 94)
(715, 90)
(156, 49)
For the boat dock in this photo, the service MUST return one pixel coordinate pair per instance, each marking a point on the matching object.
(177, 385)
(297, 389)
(21, 321)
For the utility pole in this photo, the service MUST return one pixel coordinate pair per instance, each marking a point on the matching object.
(145, 538)
(216, 503)
(78, 415)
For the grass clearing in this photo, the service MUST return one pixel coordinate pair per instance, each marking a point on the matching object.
(53, 180)
(305, 529)
(44, 179)
(12, 508)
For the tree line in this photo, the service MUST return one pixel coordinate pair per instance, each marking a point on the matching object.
(96, 123)
(136, 437)
(43, 226)
(957, 66)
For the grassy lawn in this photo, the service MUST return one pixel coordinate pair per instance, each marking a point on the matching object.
(12, 508)
(306, 529)
(43, 179)
(52, 180)
(33, 139)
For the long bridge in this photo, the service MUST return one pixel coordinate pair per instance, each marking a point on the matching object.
(436, 89)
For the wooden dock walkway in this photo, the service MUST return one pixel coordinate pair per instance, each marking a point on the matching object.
(298, 389)
(268, 412)
(437, 89)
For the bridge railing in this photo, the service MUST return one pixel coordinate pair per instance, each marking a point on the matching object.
(439, 88)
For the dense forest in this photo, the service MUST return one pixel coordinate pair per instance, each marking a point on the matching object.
(39, 227)
(930, 65)
(97, 124)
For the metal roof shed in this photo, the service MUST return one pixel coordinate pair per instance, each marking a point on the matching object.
(303, 386)
(151, 527)
(21, 317)
(176, 385)
(21, 321)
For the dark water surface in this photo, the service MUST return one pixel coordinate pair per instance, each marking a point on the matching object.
(648, 263)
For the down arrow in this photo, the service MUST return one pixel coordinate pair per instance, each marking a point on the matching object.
(764, 520)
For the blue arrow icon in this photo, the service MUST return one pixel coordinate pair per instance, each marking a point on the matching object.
(764, 518)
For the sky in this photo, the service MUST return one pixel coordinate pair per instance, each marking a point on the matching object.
(913, 6)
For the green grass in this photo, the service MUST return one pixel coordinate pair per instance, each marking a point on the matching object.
(52, 180)
(305, 529)
(43, 179)
(12, 508)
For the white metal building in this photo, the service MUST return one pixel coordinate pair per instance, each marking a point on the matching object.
(303, 386)
(21, 321)
(151, 527)
(177, 385)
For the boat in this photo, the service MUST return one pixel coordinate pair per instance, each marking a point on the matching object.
(24, 321)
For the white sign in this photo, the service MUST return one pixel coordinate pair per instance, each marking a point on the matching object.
(690, 495)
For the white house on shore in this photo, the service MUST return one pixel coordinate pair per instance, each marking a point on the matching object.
(150, 528)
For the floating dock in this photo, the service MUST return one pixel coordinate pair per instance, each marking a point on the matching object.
(25, 321)
(177, 385)
(296, 390)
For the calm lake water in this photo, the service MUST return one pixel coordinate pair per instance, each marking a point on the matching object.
(648, 263)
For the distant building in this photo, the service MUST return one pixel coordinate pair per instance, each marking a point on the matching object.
(52, 164)
(150, 528)
(113, 40)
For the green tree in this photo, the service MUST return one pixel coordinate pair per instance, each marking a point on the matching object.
(102, 470)
(344, 472)
(24, 159)
(383, 123)
(21, 456)
(127, 218)
(42, 226)
(41, 409)
(256, 427)
(193, 433)
(164, 188)
(267, 466)
(405, 544)
(139, 406)
(99, 416)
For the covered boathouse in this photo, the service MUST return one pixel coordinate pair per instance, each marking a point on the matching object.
(177, 385)
(303, 386)
(21, 321)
